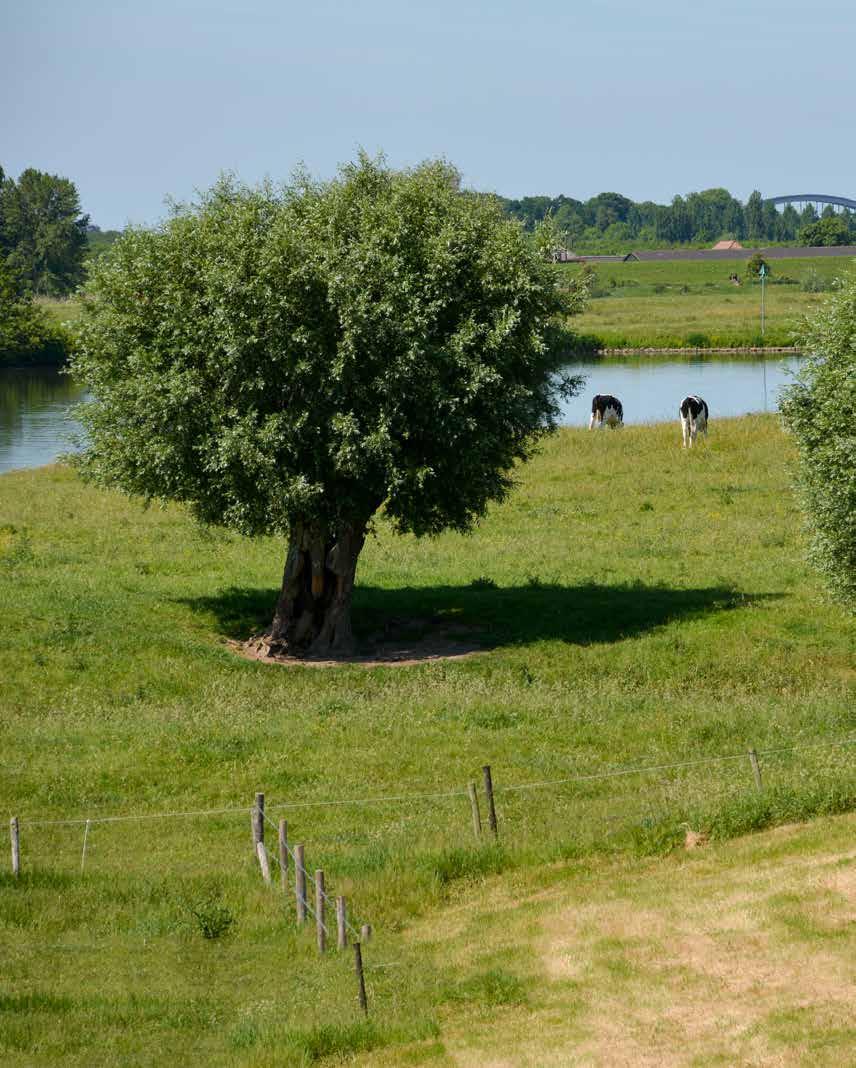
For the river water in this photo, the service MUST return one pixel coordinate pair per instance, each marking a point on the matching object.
(35, 426)
(651, 390)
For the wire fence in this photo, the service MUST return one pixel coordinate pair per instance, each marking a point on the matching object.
(590, 808)
(408, 796)
(599, 813)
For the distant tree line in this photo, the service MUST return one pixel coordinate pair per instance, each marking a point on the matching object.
(610, 222)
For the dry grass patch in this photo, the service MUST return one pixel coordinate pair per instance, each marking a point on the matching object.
(737, 954)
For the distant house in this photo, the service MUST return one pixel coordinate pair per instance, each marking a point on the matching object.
(723, 246)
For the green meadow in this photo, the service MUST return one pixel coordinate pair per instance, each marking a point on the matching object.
(677, 304)
(634, 605)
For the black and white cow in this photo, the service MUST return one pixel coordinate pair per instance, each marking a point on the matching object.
(606, 410)
(694, 417)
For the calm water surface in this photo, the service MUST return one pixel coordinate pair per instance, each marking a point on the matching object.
(652, 391)
(34, 423)
(35, 426)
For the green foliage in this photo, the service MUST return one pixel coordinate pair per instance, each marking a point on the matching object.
(27, 335)
(754, 265)
(98, 241)
(306, 354)
(813, 282)
(820, 411)
(43, 231)
(828, 231)
(210, 916)
(611, 223)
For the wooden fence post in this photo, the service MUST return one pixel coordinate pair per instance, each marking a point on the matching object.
(366, 932)
(319, 910)
(283, 855)
(300, 884)
(361, 982)
(756, 768)
(258, 820)
(488, 789)
(264, 863)
(341, 923)
(474, 805)
(85, 840)
(16, 846)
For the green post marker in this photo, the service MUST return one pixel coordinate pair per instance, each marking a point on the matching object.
(763, 274)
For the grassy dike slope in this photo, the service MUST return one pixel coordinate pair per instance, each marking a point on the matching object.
(650, 606)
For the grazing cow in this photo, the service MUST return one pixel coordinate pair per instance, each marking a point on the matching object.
(694, 416)
(605, 410)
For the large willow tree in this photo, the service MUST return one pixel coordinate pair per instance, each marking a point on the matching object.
(289, 361)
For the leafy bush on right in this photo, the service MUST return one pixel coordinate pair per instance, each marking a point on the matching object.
(820, 411)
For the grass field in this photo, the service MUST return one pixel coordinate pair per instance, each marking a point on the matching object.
(676, 304)
(61, 311)
(638, 604)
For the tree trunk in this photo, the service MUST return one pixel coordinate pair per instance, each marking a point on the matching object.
(313, 613)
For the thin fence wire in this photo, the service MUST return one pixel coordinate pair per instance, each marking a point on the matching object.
(639, 769)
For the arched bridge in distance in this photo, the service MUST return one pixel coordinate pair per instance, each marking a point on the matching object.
(814, 198)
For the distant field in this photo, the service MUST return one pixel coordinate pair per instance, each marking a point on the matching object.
(676, 320)
(677, 304)
(61, 311)
(710, 274)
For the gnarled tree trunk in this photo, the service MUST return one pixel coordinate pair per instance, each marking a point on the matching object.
(313, 613)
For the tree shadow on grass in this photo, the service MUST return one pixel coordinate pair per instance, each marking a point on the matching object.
(492, 616)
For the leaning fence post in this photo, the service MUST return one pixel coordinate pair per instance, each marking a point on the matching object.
(474, 805)
(320, 930)
(85, 839)
(341, 923)
(283, 855)
(361, 982)
(300, 884)
(756, 768)
(264, 863)
(488, 789)
(258, 820)
(16, 846)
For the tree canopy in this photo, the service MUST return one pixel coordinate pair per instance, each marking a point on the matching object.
(287, 361)
(830, 230)
(820, 411)
(26, 335)
(43, 236)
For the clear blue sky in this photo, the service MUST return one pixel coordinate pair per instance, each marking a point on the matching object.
(136, 100)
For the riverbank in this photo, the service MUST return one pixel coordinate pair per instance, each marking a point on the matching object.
(768, 350)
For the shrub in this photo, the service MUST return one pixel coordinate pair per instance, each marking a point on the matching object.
(819, 409)
(26, 334)
(754, 265)
(812, 282)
